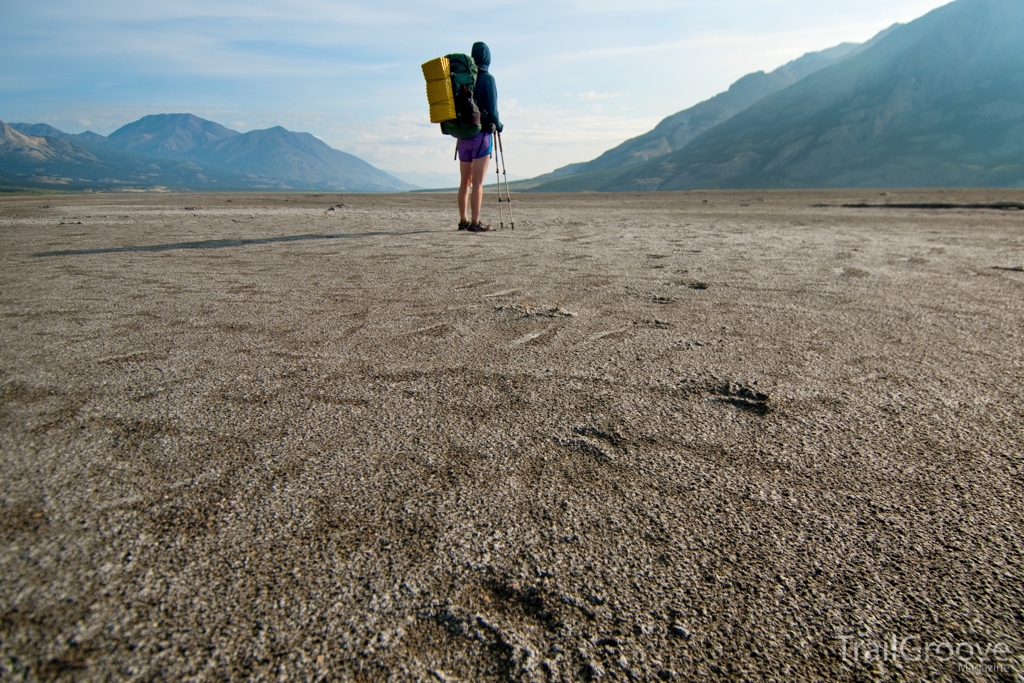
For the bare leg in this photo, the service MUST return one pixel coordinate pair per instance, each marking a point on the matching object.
(479, 171)
(466, 171)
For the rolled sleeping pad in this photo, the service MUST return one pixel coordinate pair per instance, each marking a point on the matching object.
(440, 97)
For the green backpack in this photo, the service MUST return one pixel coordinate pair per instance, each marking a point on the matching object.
(466, 123)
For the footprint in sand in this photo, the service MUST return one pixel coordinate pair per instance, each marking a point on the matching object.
(605, 334)
(744, 397)
(536, 336)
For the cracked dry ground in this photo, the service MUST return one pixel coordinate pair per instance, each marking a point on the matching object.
(641, 437)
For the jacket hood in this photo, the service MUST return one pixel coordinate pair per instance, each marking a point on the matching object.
(481, 55)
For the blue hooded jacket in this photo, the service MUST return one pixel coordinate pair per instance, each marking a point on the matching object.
(486, 92)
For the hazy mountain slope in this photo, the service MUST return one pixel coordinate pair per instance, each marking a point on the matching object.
(89, 137)
(17, 145)
(46, 130)
(38, 130)
(676, 131)
(34, 161)
(937, 102)
(184, 151)
(281, 158)
(168, 136)
(428, 180)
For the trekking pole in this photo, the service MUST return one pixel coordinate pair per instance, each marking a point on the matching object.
(497, 186)
(508, 196)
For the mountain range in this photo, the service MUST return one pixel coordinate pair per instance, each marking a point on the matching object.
(936, 102)
(182, 151)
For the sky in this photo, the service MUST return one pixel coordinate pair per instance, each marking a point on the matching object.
(575, 77)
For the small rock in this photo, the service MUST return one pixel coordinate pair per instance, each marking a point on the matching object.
(679, 630)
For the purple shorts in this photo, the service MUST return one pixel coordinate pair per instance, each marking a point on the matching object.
(476, 147)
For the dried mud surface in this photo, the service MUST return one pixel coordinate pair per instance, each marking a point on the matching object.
(708, 436)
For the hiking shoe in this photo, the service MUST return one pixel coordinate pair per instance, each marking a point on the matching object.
(476, 227)
(463, 225)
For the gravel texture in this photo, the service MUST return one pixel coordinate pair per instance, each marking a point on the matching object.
(714, 436)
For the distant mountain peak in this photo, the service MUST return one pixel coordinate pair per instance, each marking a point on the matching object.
(168, 136)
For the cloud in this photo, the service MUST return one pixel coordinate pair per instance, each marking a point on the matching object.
(205, 13)
(592, 96)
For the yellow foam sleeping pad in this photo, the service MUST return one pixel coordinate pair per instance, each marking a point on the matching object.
(439, 89)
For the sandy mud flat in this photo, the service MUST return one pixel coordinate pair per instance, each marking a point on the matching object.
(701, 436)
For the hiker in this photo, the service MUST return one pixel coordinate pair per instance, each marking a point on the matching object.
(475, 152)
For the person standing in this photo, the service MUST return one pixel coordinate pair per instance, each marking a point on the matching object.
(475, 152)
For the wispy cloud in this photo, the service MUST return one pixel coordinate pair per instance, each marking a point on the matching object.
(592, 96)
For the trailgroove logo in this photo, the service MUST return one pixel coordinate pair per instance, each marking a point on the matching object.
(972, 657)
